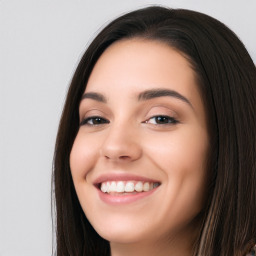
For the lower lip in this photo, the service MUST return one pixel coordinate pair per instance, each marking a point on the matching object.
(124, 199)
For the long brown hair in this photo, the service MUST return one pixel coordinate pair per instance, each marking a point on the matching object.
(226, 78)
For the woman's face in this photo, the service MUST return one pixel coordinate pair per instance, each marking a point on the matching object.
(138, 161)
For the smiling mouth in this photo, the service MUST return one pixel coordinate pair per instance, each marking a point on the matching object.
(127, 187)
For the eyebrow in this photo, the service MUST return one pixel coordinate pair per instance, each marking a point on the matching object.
(94, 96)
(145, 95)
(155, 93)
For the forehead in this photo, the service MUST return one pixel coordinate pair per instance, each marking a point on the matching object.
(134, 65)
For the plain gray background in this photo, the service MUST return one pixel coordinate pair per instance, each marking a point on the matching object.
(41, 42)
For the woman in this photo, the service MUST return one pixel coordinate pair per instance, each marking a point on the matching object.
(156, 148)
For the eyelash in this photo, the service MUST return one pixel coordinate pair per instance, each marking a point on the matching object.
(166, 120)
(98, 119)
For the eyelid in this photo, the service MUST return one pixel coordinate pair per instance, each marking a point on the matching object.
(87, 112)
(162, 110)
(90, 107)
(171, 120)
(86, 120)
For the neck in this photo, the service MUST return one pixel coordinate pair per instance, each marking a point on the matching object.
(167, 247)
(147, 250)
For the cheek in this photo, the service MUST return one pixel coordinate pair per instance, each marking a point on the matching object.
(184, 148)
(82, 157)
(181, 156)
(190, 158)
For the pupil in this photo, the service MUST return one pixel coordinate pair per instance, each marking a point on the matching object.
(162, 119)
(97, 120)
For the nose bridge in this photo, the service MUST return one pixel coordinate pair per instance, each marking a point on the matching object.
(121, 142)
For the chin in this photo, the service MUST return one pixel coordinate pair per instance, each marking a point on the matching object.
(124, 232)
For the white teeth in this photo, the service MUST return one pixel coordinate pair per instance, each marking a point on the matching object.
(108, 186)
(104, 187)
(128, 187)
(120, 187)
(139, 186)
(146, 186)
(112, 187)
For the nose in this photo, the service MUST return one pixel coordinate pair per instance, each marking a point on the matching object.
(121, 144)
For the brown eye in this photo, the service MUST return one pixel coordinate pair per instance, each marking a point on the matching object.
(160, 120)
(94, 120)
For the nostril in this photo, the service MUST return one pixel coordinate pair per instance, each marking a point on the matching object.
(124, 157)
(118, 157)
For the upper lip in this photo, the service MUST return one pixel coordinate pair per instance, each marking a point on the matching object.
(121, 177)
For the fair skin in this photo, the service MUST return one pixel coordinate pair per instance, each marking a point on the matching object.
(142, 122)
